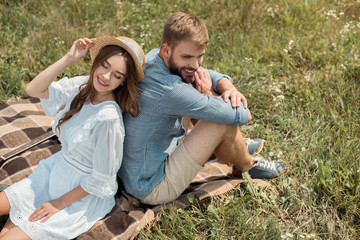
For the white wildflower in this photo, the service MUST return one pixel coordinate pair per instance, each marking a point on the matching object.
(285, 50)
(58, 41)
(289, 235)
(303, 149)
(271, 154)
(307, 78)
(248, 59)
(331, 13)
(281, 97)
(283, 236)
(343, 66)
(274, 99)
(277, 90)
(302, 236)
(271, 11)
(346, 28)
(311, 235)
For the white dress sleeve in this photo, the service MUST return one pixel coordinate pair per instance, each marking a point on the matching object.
(107, 158)
(60, 92)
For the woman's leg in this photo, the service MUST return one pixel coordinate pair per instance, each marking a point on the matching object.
(4, 210)
(4, 204)
(8, 225)
(12, 232)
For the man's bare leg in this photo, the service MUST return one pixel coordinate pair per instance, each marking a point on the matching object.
(226, 141)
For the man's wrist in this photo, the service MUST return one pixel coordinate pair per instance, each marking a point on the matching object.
(224, 84)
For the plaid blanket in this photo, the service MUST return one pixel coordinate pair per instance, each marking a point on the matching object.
(23, 120)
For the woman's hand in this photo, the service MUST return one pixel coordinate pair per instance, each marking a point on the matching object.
(80, 48)
(46, 210)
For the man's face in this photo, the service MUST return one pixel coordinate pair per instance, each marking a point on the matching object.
(185, 59)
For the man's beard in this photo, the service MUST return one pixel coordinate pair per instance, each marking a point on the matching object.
(176, 70)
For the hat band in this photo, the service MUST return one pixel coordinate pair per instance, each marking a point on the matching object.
(134, 50)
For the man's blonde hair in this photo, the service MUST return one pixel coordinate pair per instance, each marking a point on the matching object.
(183, 26)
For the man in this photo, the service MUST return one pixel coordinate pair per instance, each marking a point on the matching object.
(159, 160)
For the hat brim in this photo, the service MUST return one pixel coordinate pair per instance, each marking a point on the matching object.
(119, 41)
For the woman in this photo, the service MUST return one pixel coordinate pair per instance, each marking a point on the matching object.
(75, 187)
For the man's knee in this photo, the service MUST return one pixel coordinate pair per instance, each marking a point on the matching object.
(219, 127)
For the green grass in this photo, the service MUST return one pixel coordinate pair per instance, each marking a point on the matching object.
(298, 64)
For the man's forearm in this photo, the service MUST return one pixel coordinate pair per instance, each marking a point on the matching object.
(223, 85)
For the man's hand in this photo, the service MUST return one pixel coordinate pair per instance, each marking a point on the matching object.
(204, 85)
(203, 82)
(229, 91)
(235, 96)
(45, 211)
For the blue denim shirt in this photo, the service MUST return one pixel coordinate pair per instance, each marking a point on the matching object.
(153, 135)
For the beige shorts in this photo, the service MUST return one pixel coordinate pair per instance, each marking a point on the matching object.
(180, 170)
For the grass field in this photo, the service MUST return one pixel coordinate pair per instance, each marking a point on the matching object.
(298, 64)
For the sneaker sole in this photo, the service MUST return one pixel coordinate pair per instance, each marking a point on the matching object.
(260, 148)
(279, 174)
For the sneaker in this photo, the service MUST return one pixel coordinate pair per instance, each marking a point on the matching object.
(254, 145)
(262, 169)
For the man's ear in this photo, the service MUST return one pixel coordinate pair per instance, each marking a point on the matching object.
(165, 50)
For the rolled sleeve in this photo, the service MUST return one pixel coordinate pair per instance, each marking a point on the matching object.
(107, 158)
(242, 116)
(183, 100)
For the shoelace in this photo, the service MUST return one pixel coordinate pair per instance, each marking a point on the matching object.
(250, 141)
(264, 163)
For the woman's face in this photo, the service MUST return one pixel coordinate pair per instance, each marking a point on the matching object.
(110, 75)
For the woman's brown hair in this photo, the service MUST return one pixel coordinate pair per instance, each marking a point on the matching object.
(127, 95)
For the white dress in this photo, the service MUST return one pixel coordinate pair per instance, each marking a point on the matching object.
(91, 154)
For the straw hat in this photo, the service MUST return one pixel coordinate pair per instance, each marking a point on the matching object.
(134, 49)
